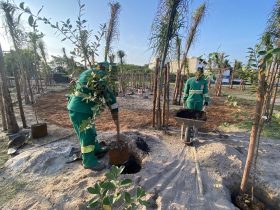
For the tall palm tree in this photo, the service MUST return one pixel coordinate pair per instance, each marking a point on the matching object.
(8, 105)
(195, 22)
(15, 34)
(168, 21)
(112, 30)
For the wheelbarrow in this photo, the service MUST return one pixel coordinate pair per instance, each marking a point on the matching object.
(189, 128)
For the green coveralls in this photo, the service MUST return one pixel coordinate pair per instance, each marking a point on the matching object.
(80, 110)
(195, 92)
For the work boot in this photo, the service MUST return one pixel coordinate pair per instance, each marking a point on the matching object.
(97, 167)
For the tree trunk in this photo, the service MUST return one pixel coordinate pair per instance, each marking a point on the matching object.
(164, 97)
(155, 92)
(167, 96)
(30, 88)
(274, 99)
(19, 100)
(2, 109)
(177, 87)
(254, 130)
(10, 115)
(231, 80)
(181, 89)
(268, 95)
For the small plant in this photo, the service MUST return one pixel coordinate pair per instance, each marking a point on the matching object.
(231, 101)
(112, 192)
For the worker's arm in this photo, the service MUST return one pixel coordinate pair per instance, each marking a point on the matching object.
(186, 91)
(206, 94)
(111, 102)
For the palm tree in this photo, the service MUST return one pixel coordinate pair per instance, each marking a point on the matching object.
(168, 21)
(237, 66)
(8, 105)
(112, 30)
(15, 35)
(195, 22)
(121, 55)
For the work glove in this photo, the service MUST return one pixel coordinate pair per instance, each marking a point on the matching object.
(205, 103)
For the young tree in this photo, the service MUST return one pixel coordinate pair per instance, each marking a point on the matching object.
(168, 21)
(195, 22)
(15, 34)
(12, 125)
(112, 30)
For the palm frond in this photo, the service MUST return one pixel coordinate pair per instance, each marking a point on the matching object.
(169, 19)
(12, 25)
(273, 23)
(112, 32)
(196, 21)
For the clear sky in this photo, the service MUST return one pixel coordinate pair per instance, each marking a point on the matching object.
(230, 26)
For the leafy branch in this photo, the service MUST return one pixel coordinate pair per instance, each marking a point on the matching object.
(76, 33)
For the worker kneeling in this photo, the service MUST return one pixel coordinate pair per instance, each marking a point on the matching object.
(196, 91)
(81, 110)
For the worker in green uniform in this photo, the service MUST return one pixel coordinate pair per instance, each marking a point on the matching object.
(196, 91)
(81, 110)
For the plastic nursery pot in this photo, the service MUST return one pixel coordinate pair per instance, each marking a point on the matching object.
(39, 130)
(118, 153)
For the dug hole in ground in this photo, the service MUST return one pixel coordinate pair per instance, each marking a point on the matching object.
(40, 178)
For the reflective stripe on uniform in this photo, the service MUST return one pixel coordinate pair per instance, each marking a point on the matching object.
(79, 94)
(206, 95)
(114, 106)
(87, 149)
(196, 91)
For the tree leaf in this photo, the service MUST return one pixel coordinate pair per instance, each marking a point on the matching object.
(31, 20)
(108, 186)
(63, 39)
(27, 10)
(262, 52)
(106, 200)
(144, 203)
(127, 197)
(21, 5)
(19, 16)
(126, 182)
(140, 192)
(276, 51)
(93, 202)
(40, 10)
(93, 190)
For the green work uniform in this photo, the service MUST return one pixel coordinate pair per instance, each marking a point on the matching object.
(195, 93)
(80, 110)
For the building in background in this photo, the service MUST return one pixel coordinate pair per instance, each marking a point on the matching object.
(193, 63)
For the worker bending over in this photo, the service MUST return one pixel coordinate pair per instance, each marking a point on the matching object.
(81, 110)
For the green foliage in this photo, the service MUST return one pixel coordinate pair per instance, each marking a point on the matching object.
(77, 33)
(270, 129)
(231, 101)
(112, 192)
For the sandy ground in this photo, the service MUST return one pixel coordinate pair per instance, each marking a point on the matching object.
(42, 179)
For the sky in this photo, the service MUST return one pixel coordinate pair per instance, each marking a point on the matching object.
(230, 26)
